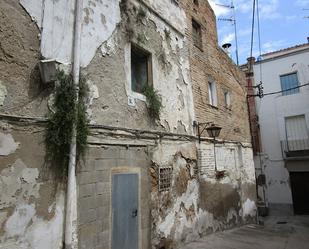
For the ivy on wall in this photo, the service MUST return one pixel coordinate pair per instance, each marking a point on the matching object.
(62, 118)
(154, 102)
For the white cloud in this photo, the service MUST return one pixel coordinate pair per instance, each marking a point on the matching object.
(302, 3)
(228, 38)
(243, 6)
(244, 32)
(291, 18)
(269, 9)
(271, 46)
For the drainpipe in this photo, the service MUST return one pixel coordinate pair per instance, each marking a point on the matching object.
(71, 239)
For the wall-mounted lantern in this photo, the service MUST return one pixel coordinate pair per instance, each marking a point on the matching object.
(213, 131)
(48, 70)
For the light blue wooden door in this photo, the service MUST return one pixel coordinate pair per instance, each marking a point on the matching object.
(125, 211)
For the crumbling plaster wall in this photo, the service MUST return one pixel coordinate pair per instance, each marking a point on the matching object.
(105, 50)
(57, 24)
(110, 72)
(20, 90)
(178, 215)
(31, 206)
(197, 203)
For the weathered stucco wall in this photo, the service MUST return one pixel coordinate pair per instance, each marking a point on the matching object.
(170, 74)
(20, 88)
(196, 202)
(105, 28)
(31, 206)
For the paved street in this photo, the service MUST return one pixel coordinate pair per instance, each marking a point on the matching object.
(294, 234)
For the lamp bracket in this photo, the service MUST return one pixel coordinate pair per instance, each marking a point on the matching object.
(201, 128)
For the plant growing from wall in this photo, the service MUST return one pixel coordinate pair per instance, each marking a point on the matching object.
(61, 120)
(154, 102)
(141, 38)
(141, 14)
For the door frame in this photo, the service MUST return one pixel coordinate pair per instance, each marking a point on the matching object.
(127, 170)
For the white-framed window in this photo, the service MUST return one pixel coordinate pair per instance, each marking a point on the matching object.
(289, 81)
(141, 69)
(297, 133)
(212, 93)
(227, 98)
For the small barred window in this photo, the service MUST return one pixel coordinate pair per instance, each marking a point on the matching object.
(165, 178)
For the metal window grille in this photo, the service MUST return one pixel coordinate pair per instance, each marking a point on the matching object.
(165, 178)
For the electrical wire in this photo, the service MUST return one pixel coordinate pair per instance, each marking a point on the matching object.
(297, 87)
(286, 90)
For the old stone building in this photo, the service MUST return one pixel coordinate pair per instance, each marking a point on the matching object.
(145, 182)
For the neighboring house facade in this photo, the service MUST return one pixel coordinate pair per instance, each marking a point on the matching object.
(150, 181)
(283, 118)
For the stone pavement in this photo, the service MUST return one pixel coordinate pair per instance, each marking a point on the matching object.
(277, 233)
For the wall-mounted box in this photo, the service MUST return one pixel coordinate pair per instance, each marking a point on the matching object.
(48, 69)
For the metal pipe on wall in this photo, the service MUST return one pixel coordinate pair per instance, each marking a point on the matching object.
(71, 238)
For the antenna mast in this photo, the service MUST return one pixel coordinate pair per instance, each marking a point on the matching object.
(233, 21)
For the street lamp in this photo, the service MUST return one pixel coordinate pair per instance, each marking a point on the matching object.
(214, 131)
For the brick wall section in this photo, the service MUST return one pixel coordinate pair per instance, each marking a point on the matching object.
(212, 63)
(94, 199)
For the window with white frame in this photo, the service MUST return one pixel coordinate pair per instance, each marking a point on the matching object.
(212, 93)
(297, 134)
(227, 99)
(140, 69)
(289, 81)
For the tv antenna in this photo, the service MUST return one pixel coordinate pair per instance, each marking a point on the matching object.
(233, 21)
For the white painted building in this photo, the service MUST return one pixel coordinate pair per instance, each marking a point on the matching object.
(284, 120)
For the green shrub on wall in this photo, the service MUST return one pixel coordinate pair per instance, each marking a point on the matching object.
(61, 121)
(154, 102)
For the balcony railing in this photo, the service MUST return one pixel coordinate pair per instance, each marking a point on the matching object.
(295, 148)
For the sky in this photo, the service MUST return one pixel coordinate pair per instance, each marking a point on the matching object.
(282, 24)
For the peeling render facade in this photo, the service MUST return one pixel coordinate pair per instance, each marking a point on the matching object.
(157, 163)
